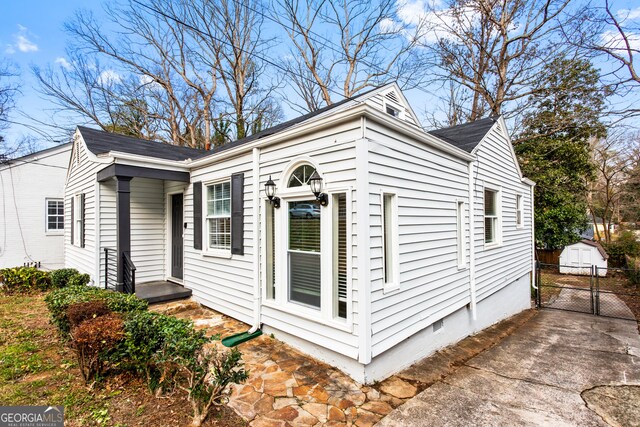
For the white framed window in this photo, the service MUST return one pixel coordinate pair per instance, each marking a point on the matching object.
(339, 265)
(390, 241)
(519, 212)
(54, 217)
(491, 217)
(460, 242)
(78, 220)
(218, 216)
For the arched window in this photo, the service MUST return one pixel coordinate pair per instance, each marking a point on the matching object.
(300, 176)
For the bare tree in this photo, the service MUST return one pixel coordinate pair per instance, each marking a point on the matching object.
(600, 31)
(8, 90)
(492, 48)
(369, 47)
(614, 158)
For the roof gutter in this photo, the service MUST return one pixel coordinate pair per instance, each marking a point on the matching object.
(140, 160)
(331, 120)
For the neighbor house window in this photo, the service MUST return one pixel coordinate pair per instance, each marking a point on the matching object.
(460, 233)
(519, 221)
(389, 239)
(219, 215)
(55, 215)
(491, 216)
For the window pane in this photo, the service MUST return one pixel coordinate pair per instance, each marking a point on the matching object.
(489, 202)
(304, 226)
(387, 230)
(304, 278)
(300, 176)
(270, 245)
(489, 230)
(219, 233)
(340, 257)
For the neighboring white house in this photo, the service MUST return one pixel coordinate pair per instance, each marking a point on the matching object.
(580, 257)
(32, 208)
(424, 239)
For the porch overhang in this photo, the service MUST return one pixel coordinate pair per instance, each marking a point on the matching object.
(117, 170)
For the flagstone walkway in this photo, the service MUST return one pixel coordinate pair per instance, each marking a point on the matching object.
(288, 388)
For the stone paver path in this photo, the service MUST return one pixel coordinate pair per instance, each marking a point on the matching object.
(288, 388)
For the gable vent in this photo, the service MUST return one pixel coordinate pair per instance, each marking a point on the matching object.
(393, 97)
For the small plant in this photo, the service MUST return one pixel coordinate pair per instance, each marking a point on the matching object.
(93, 340)
(59, 301)
(205, 378)
(81, 311)
(22, 280)
(68, 277)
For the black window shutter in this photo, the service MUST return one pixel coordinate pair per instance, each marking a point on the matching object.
(82, 209)
(197, 215)
(72, 218)
(237, 213)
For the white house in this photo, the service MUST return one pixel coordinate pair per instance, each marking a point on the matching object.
(579, 258)
(414, 240)
(32, 208)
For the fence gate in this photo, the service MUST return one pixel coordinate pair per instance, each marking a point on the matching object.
(608, 292)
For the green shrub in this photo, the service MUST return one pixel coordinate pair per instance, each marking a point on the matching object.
(152, 343)
(68, 277)
(24, 280)
(59, 301)
(81, 311)
(93, 340)
(626, 244)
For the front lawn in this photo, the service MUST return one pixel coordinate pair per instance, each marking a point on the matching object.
(37, 368)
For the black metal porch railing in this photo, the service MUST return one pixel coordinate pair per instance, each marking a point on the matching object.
(129, 274)
(110, 269)
(128, 284)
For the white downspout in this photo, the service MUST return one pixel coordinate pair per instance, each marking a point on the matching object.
(257, 297)
(472, 260)
(533, 242)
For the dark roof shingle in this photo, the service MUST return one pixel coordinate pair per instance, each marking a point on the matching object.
(99, 142)
(466, 136)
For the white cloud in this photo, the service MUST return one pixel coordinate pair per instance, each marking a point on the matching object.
(630, 14)
(63, 62)
(22, 42)
(108, 77)
(613, 40)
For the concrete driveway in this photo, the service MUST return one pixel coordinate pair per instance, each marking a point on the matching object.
(558, 369)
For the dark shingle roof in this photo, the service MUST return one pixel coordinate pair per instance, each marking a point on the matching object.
(596, 245)
(466, 136)
(99, 142)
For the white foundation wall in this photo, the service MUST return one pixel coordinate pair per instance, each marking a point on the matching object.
(25, 186)
(506, 302)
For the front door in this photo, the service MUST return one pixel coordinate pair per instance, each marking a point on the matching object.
(176, 236)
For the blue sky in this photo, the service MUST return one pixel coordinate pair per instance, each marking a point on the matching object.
(31, 33)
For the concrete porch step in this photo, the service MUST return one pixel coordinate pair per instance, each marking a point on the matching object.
(161, 291)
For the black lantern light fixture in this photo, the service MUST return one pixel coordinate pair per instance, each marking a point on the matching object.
(315, 182)
(270, 189)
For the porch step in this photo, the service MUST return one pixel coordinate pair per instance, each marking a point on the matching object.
(161, 291)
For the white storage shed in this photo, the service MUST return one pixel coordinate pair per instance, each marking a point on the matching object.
(579, 257)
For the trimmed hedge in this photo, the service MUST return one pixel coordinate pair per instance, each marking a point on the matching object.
(68, 277)
(93, 340)
(59, 300)
(81, 311)
(20, 280)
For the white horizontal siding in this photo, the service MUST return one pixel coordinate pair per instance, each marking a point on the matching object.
(82, 179)
(107, 222)
(499, 266)
(25, 185)
(428, 184)
(148, 229)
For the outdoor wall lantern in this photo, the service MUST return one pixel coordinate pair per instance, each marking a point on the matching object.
(270, 189)
(315, 182)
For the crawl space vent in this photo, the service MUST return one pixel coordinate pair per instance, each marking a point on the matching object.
(438, 325)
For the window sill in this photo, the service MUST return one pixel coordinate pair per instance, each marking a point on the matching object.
(492, 245)
(217, 253)
(295, 310)
(54, 233)
(462, 266)
(388, 288)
